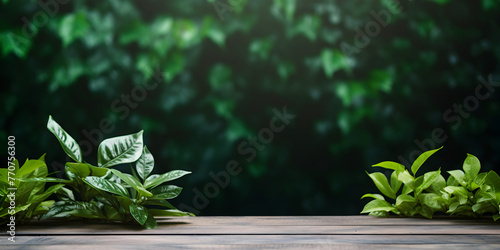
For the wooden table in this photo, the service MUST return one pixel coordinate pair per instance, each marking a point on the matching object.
(320, 232)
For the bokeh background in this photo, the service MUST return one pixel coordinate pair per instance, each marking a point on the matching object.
(202, 77)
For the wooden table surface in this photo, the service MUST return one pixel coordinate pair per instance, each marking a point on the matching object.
(273, 232)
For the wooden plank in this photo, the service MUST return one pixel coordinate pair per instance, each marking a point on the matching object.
(359, 220)
(256, 242)
(267, 225)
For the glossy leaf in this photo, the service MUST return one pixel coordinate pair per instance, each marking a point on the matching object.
(457, 177)
(395, 182)
(377, 205)
(421, 159)
(69, 145)
(375, 196)
(139, 213)
(150, 222)
(118, 150)
(471, 166)
(170, 176)
(391, 165)
(145, 164)
(165, 192)
(382, 184)
(132, 182)
(105, 185)
(428, 179)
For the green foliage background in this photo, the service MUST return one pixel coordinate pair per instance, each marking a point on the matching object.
(223, 76)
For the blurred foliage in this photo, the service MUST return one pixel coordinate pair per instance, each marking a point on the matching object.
(201, 77)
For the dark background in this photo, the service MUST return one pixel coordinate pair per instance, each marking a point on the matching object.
(225, 65)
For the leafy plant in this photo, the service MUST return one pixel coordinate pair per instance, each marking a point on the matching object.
(29, 200)
(108, 194)
(465, 193)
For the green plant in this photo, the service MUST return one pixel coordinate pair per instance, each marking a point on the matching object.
(29, 198)
(465, 193)
(108, 194)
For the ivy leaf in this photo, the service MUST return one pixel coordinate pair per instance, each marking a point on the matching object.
(72, 27)
(118, 150)
(69, 145)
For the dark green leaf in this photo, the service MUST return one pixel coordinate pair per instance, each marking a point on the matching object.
(139, 213)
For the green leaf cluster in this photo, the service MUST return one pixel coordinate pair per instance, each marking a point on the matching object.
(466, 192)
(108, 194)
(30, 198)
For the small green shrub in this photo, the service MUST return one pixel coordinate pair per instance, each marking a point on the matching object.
(108, 194)
(466, 192)
(29, 199)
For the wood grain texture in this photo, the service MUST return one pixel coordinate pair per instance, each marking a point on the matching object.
(287, 232)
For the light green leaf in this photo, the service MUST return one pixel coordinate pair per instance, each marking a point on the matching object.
(105, 185)
(457, 177)
(165, 192)
(156, 181)
(139, 213)
(30, 166)
(427, 181)
(405, 198)
(375, 196)
(72, 27)
(471, 166)
(17, 209)
(377, 205)
(34, 199)
(391, 165)
(145, 164)
(382, 184)
(333, 60)
(421, 159)
(118, 150)
(69, 145)
(395, 183)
